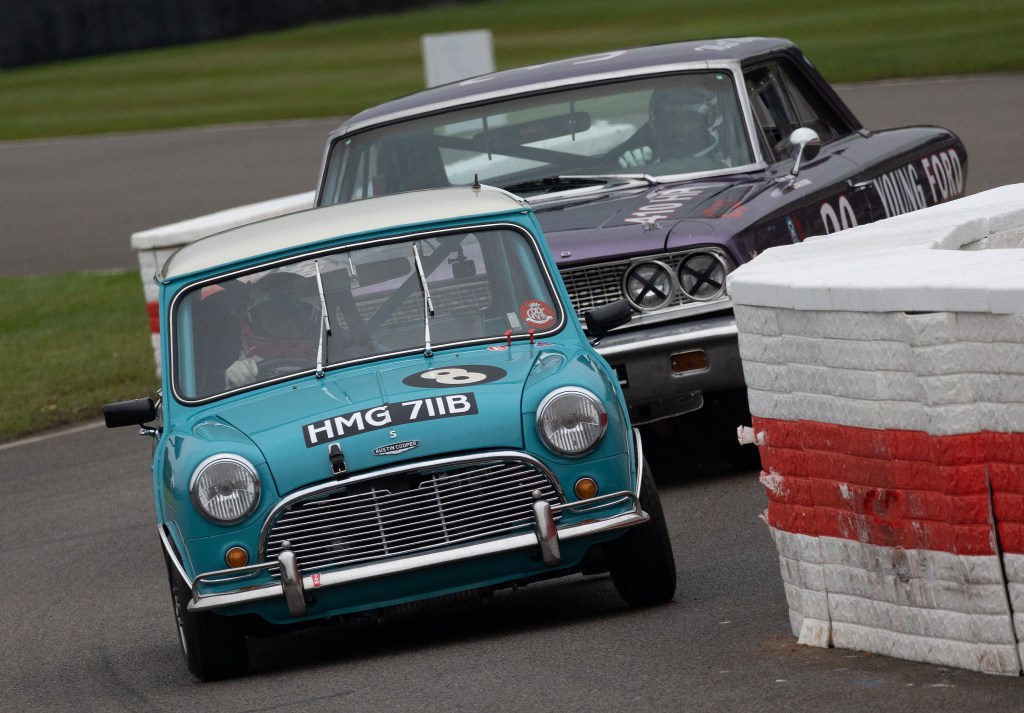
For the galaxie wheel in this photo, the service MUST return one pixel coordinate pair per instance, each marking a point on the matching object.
(641, 562)
(214, 646)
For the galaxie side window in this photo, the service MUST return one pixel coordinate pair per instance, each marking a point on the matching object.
(782, 101)
(773, 112)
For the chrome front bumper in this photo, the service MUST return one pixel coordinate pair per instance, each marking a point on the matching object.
(642, 359)
(294, 584)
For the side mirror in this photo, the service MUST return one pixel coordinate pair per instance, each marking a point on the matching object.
(605, 318)
(130, 413)
(804, 145)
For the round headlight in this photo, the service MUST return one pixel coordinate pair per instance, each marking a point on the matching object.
(571, 421)
(649, 285)
(702, 276)
(225, 489)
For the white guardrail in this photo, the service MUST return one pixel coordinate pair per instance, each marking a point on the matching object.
(154, 246)
(885, 372)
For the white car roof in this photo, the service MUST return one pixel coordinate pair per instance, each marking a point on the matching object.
(312, 226)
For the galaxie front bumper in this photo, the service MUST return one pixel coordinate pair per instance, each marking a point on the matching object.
(654, 387)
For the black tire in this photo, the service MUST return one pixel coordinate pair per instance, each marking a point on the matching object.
(214, 646)
(641, 562)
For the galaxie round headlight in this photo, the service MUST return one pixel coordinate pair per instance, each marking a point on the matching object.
(571, 421)
(702, 276)
(225, 489)
(649, 285)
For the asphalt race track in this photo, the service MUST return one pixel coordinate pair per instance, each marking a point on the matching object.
(85, 614)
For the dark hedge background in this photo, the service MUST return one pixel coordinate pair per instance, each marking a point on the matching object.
(36, 31)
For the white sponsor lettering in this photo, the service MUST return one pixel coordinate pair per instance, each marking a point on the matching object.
(903, 191)
(900, 191)
(945, 175)
(663, 205)
(600, 57)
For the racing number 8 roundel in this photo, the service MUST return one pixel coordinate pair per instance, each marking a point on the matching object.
(448, 377)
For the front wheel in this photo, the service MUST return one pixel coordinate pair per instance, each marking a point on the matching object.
(641, 562)
(213, 645)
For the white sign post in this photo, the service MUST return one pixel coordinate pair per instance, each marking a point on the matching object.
(451, 56)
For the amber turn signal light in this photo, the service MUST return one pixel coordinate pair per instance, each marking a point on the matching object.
(236, 557)
(688, 361)
(585, 488)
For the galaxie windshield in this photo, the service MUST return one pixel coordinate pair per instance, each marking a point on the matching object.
(586, 136)
(483, 285)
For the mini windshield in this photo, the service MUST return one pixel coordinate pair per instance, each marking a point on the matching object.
(265, 325)
(659, 126)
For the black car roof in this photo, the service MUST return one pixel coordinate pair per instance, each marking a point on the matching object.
(572, 70)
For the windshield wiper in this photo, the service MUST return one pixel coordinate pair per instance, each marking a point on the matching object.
(428, 304)
(325, 324)
(552, 184)
(556, 183)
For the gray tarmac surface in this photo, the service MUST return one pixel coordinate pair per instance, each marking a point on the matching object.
(86, 621)
(72, 204)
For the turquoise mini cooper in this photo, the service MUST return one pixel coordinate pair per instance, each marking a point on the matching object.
(381, 403)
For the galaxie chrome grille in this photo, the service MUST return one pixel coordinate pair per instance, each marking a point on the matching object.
(408, 512)
(592, 286)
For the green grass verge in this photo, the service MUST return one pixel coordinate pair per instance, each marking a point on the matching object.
(338, 68)
(69, 344)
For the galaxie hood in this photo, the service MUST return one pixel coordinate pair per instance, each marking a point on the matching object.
(380, 414)
(623, 223)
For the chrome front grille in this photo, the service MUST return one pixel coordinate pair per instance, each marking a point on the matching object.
(592, 286)
(409, 511)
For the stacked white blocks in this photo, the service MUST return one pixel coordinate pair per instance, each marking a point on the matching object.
(885, 370)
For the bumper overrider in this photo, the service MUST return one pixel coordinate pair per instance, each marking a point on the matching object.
(293, 585)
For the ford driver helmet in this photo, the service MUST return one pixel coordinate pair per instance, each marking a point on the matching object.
(685, 121)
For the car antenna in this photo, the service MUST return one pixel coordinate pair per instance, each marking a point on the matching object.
(476, 182)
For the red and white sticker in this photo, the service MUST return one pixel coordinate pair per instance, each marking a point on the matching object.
(536, 313)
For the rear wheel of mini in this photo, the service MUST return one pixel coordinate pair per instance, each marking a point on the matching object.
(641, 562)
(214, 646)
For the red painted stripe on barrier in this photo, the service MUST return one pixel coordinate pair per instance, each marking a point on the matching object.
(895, 488)
(153, 310)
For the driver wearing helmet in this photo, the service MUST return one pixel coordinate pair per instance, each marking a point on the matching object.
(278, 323)
(683, 128)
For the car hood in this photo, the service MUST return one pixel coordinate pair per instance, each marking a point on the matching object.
(610, 223)
(382, 415)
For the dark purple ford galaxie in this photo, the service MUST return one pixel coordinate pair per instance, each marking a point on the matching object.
(654, 172)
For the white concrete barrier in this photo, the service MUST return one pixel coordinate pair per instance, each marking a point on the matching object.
(155, 245)
(885, 373)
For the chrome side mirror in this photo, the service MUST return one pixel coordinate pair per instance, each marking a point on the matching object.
(804, 145)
